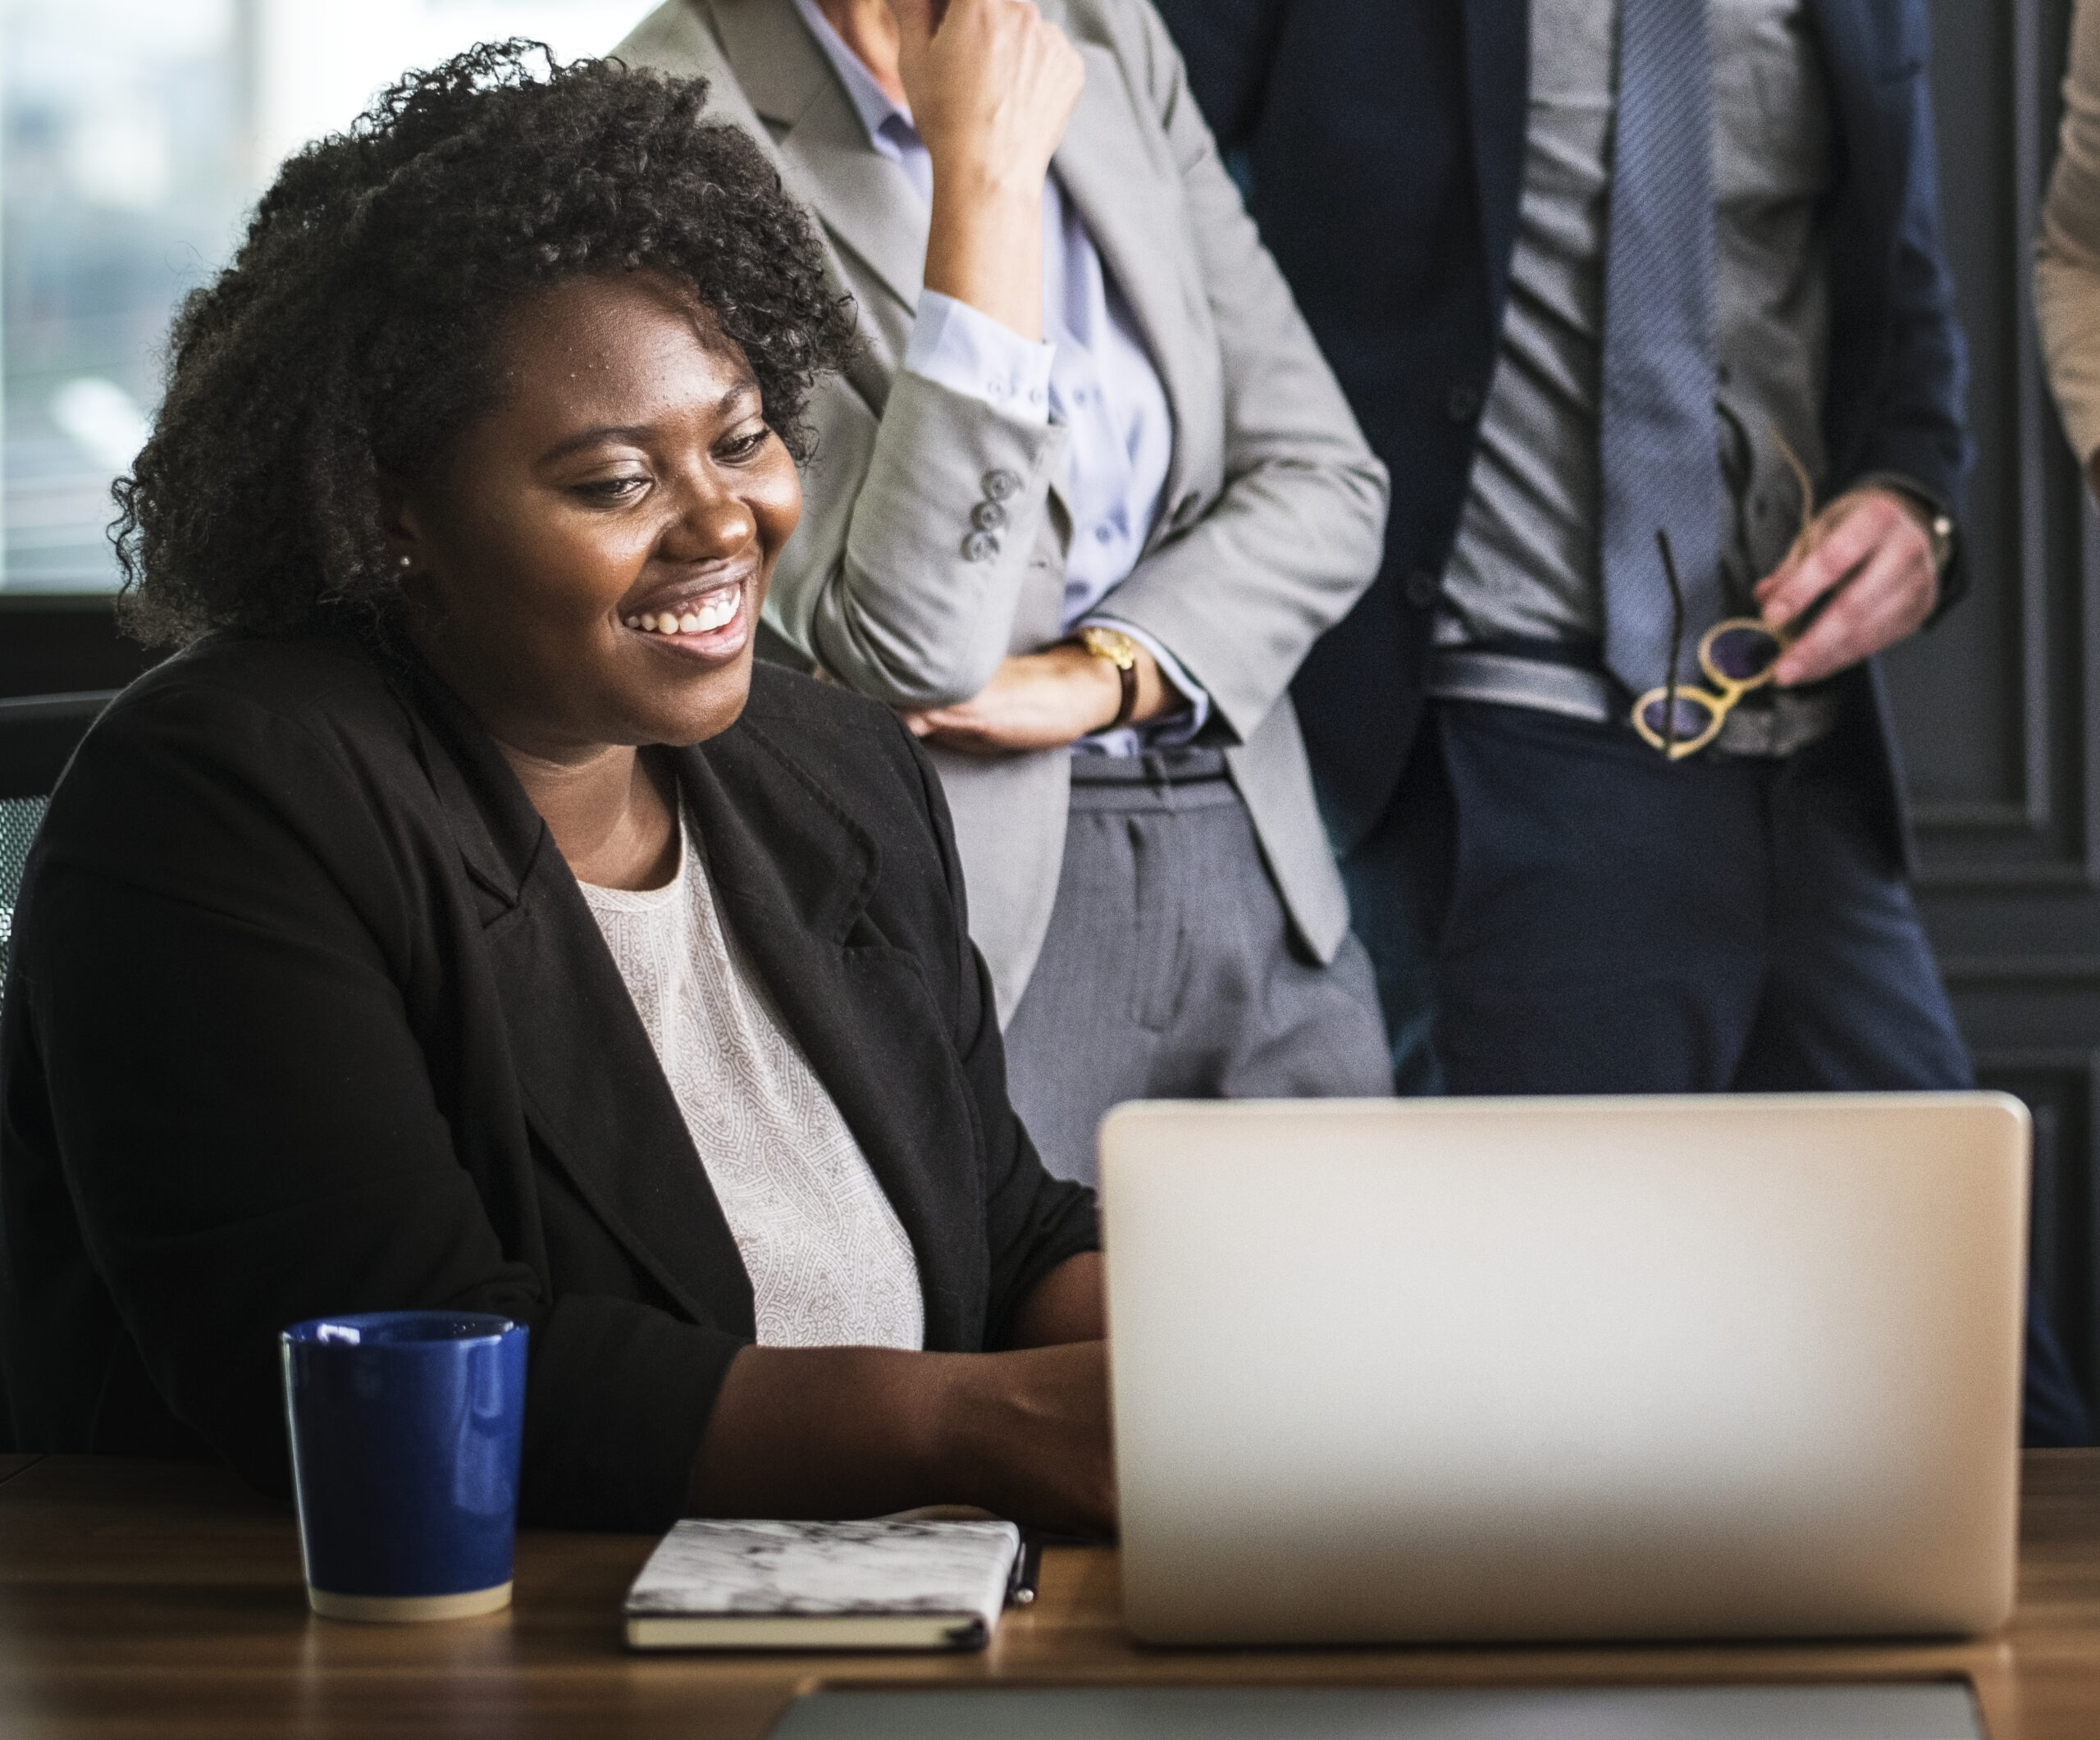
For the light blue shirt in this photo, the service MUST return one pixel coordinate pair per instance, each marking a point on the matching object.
(1093, 373)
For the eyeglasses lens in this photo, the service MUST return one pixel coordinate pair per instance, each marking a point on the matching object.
(1741, 653)
(1692, 717)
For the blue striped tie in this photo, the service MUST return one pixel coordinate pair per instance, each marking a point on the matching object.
(1661, 466)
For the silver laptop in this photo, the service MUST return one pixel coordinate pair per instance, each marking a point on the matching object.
(1565, 1368)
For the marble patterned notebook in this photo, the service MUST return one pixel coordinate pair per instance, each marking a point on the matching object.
(884, 1585)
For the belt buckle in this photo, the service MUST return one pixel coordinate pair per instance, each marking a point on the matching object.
(1773, 730)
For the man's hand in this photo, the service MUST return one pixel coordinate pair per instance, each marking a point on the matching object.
(1044, 701)
(1869, 554)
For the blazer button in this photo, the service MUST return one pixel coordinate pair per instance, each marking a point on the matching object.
(1420, 588)
(987, 516)
(979, 546)
(1462, 403)
(999, 484)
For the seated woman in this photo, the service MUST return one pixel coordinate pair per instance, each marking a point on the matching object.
(461, 920)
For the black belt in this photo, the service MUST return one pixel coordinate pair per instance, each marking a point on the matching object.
(1766, 728)
(1182, 766)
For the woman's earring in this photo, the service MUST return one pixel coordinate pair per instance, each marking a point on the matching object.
(408, 561)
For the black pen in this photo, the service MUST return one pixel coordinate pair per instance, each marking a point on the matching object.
(1028, 1568)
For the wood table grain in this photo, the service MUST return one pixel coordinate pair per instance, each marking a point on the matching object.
(141, 1599)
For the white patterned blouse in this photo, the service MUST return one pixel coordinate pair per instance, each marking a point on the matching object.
(829, 1263)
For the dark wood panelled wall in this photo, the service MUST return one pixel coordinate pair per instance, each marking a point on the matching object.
(2001, 721)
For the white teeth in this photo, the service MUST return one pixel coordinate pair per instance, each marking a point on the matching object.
(717, 610)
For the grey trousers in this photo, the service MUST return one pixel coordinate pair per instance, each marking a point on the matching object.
(1170, 971)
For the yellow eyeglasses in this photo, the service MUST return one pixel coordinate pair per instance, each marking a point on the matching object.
(1736, 655)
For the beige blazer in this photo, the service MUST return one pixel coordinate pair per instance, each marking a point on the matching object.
(2067, 263)
(1273, 511)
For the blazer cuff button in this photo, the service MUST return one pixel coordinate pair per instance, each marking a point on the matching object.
(999, 484)
(979, 546)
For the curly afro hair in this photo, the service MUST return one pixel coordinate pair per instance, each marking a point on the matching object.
(354, 334)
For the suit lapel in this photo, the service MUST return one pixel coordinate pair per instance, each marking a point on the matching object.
(792, 874)
(1498, 60)
(863, 200)
(593, 1092)
(1139, 230)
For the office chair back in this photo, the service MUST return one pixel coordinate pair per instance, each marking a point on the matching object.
(38, 736)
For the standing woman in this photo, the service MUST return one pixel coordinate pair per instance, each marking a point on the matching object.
(1077, 511)
(2067, 264)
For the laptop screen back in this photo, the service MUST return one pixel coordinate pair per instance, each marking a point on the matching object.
(1452, 1369)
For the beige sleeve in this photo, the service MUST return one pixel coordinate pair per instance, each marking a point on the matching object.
(2067, 256)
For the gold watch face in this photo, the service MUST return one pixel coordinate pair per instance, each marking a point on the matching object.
(1110, 644)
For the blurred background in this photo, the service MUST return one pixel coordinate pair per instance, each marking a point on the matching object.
(135, 133)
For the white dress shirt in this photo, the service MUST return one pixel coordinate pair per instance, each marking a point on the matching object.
(1092, 374)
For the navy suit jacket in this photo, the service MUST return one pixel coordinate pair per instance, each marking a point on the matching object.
(1384, 140)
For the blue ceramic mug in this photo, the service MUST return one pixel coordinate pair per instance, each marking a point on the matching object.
(406, 1429)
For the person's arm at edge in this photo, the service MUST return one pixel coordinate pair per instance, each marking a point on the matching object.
(2067, 252)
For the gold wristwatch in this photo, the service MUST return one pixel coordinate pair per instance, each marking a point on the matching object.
(1121, 651)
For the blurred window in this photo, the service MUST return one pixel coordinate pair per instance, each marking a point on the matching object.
(133, 136)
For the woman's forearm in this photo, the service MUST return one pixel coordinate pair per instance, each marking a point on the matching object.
(984, 247)
(1044, 701)
(842, 1432)
(990, 86)
(826, 1432)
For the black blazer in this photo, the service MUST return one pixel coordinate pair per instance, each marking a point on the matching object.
(1386, 143)
(307, 1015)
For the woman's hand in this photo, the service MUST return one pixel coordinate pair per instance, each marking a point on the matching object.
(846, 1431)
(1031, 1432)
(1044, 701)
(991, 85)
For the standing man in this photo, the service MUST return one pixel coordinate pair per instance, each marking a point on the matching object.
(1603, 276)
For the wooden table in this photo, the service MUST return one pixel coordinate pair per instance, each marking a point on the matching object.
(141, 1599)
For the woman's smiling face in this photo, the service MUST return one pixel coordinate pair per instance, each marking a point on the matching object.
(588, 561)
